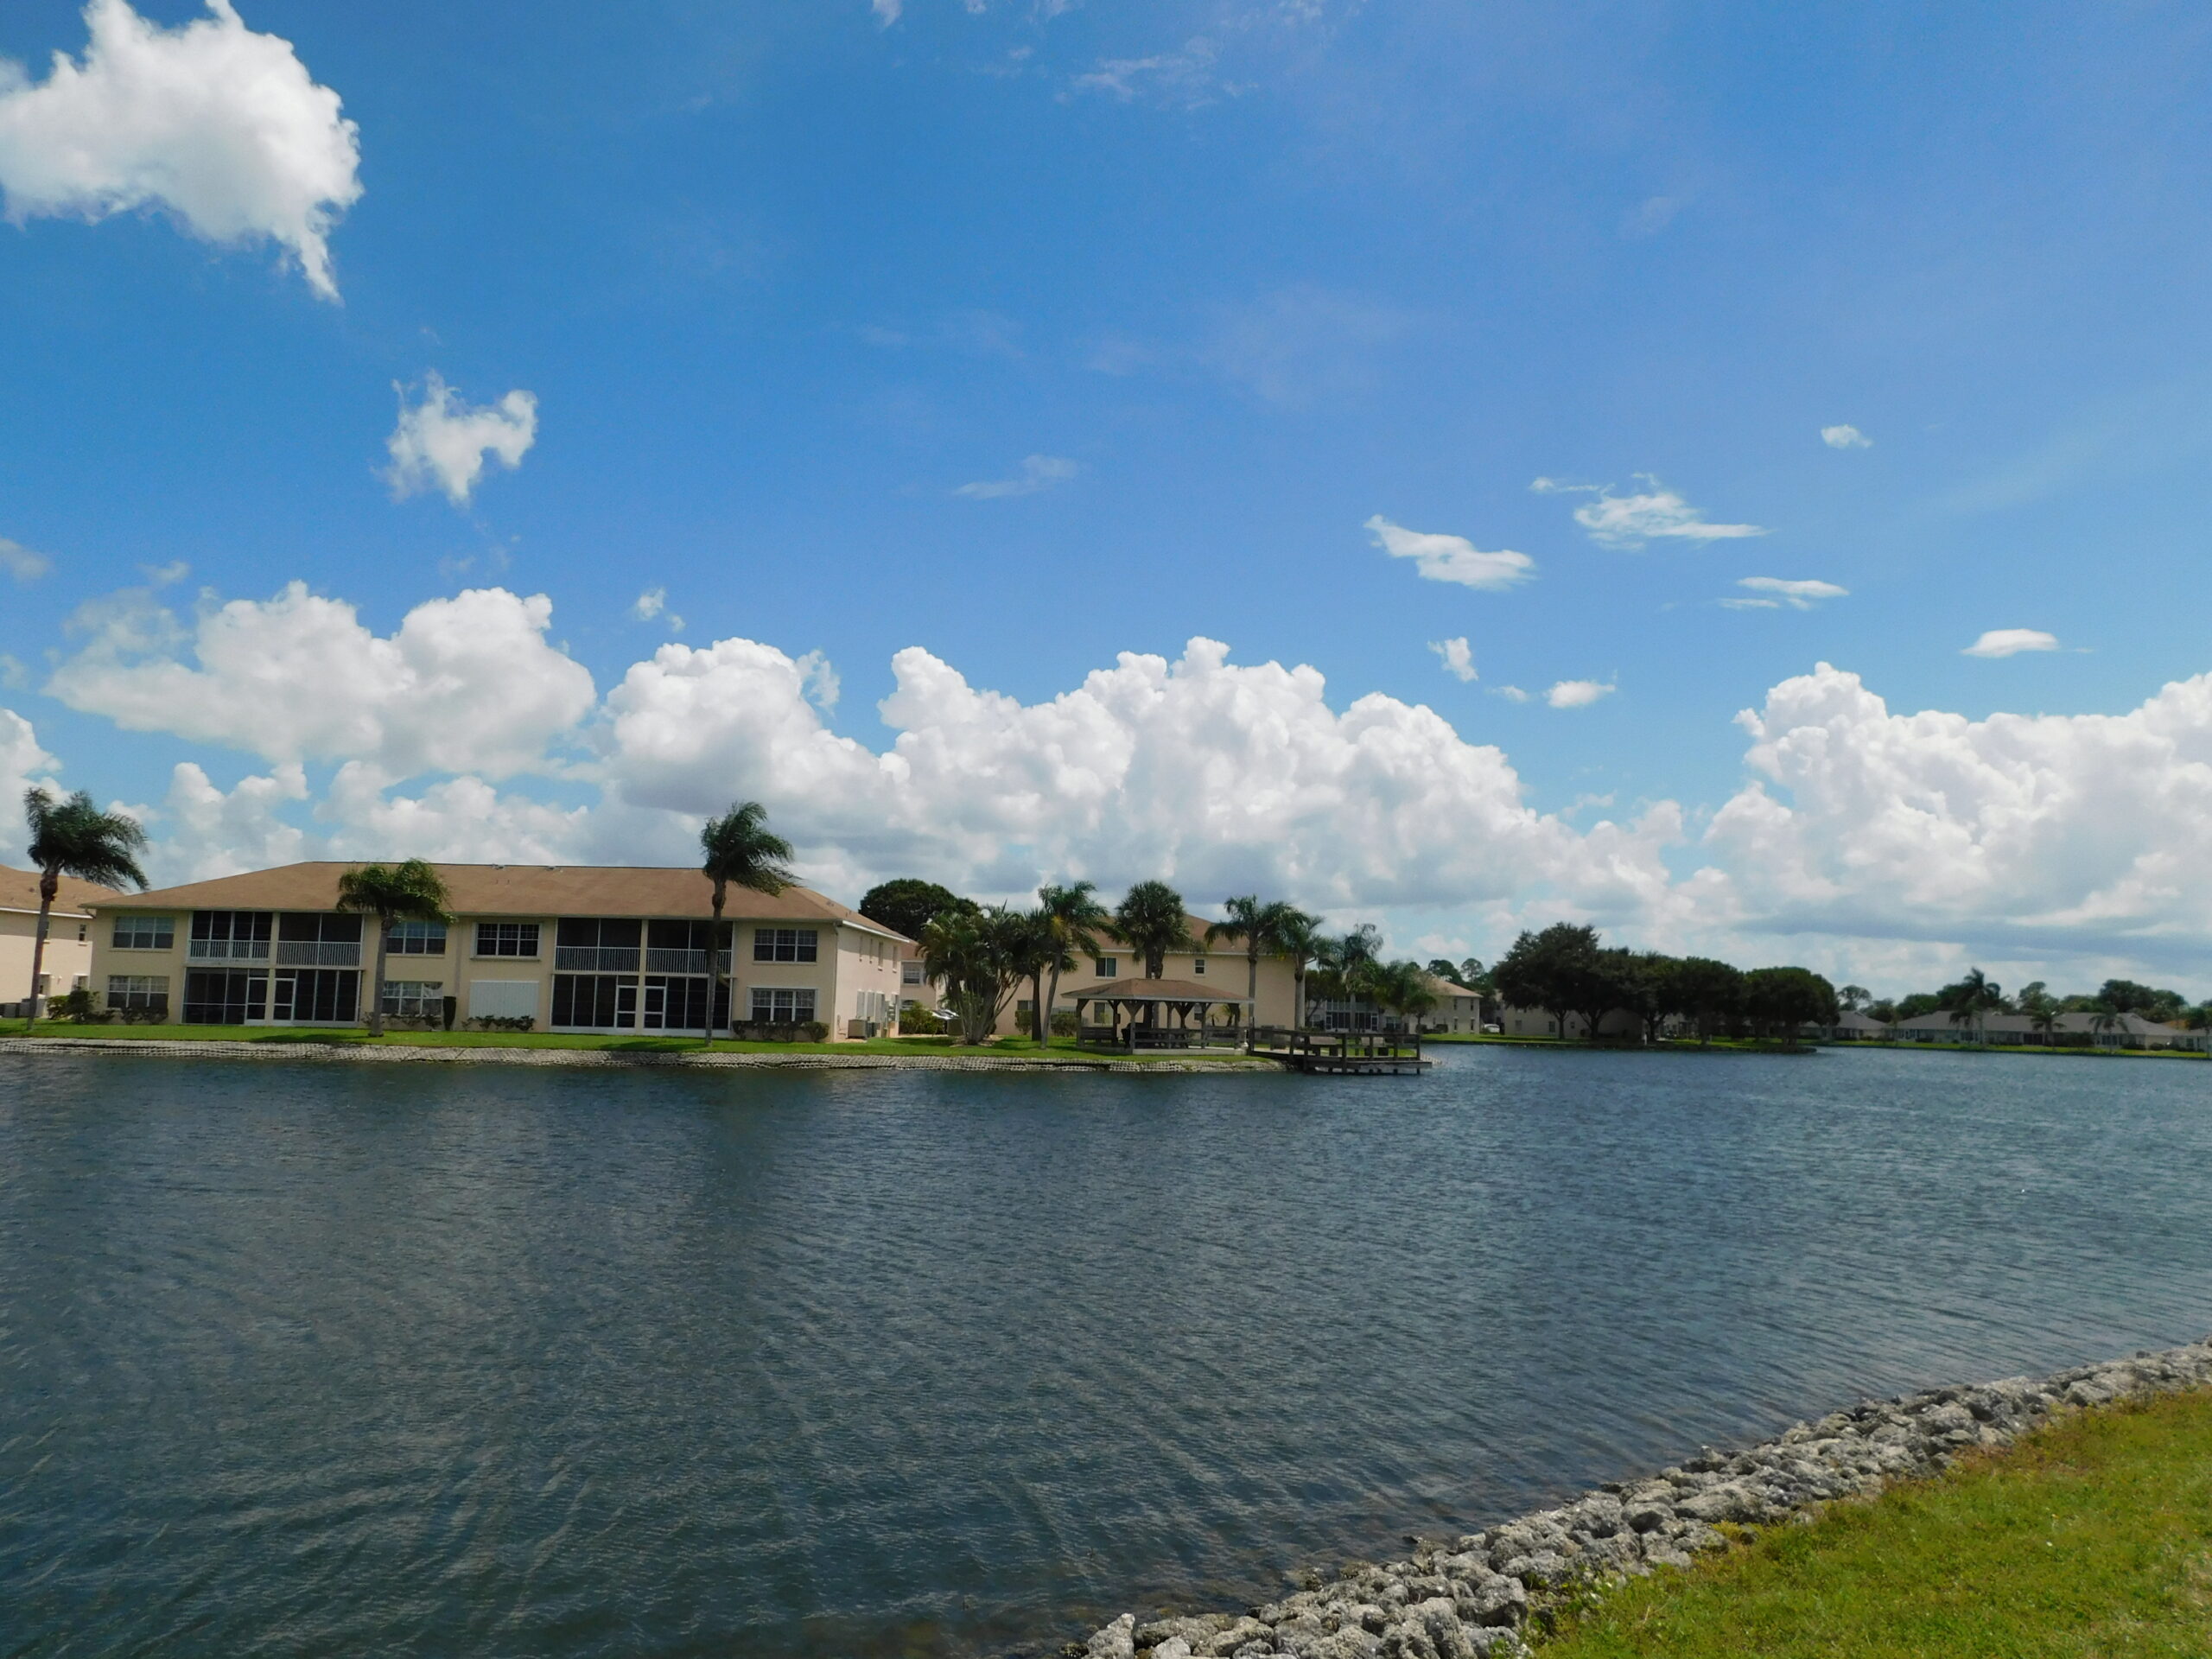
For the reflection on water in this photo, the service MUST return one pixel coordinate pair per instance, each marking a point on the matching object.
(331, 1360)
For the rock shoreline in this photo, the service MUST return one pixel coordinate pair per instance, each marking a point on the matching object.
(403, 1054)
(1471, 1596)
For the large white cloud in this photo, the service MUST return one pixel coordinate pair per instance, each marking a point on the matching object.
(465, 685)
(2053, 833)
(442, 441)
(23, 763)
(1218, 775)
(223, 127)
(1882, 845)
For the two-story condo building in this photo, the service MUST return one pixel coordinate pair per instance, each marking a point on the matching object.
(569, 948)
(68, 960)
(1224, 962)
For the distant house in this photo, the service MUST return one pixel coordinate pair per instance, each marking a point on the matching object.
(1540, 1022)
(1458, 1008)
(1223, 962)
(2072, 1031)
(68, 962)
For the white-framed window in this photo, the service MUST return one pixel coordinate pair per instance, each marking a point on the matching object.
(910, 971)
(1106, 967)
(413, 999)
(1197, 964)
(138, 991)
(507, 938)
(784, 945)
(417, 939)
(782, 1007)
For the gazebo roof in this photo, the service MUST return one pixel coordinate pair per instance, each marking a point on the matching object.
(1157, 990)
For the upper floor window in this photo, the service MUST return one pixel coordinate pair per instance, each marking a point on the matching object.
(1106, 967)
(784, 945)
(145, 932)
(239, 935)
(416, 939)
(320, 927)
(507, 938)
(1197, 964)
(910, 971)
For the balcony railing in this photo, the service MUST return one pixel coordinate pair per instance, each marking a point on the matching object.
(308, 953)
(596, 958)
(659, 960)
(227, 950)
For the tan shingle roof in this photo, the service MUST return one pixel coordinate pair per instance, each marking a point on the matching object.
(19, 891)
(511, 890)
(1171, 990)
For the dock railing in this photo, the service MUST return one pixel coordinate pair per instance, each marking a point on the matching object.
(1340, 1051)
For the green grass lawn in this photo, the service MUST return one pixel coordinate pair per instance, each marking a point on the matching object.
(1062, 1050)
(2091, 1540)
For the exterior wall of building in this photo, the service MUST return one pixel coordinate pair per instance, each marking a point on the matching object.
(854, 975)
(1536, 1022)
(68, 953)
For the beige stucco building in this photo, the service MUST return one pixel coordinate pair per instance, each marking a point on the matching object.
(1223, 962)
(569, 948)
(69, 941)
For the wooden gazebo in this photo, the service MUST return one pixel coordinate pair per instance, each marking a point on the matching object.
(1159, 1013)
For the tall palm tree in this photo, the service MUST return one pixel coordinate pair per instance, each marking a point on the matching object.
(1265, 928)
(1152, 920)
(409, 892)
(73, 837)
(1299, 937)
(1072, 917)
(739, 851)
(1971, 998)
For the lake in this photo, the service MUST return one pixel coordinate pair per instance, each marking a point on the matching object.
(328, 1359)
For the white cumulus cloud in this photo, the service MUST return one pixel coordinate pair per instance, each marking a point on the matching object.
(222, 127)
(1038, 472)
(1457, 657)
(2011, 642)
(1798, 594)
(1845, 437)
(21, 562)
(442, 442)
(2045, 833)
(1451, 558)
(464, 684)
(23, 763)
(1578, 694)
(1653, 512)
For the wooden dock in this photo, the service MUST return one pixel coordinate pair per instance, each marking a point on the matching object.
(1355, 1053)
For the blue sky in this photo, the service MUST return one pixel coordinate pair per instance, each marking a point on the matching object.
(783, 279)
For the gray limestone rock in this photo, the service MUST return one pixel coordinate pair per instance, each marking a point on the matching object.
(1117, 1641)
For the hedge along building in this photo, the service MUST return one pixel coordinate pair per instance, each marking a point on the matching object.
(569, 948)
(68, 960)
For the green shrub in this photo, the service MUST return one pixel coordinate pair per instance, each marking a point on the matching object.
(496, 1022)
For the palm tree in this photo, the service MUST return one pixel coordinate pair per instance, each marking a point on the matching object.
(75, 838)
(1300, 939)
(411, 892)
(1073, 918)
(739, 851)
(1401, 988)
(1971, 998)
(2104, 1019)
(1152, 920)
(977, 957)
(1266, 929)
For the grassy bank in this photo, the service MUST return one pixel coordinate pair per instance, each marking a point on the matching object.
(1011, 1048)
(2091, 1537)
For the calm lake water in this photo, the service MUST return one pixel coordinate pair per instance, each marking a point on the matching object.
(331, 1360)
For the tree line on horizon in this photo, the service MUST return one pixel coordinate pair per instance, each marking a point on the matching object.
(1566, 970)
(982, 954)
